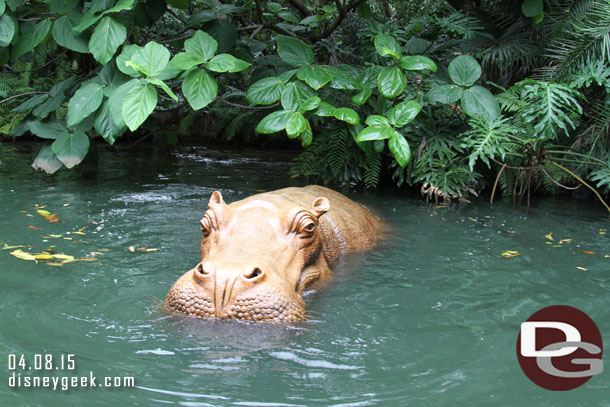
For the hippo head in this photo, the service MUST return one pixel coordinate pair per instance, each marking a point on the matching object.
(257, 257)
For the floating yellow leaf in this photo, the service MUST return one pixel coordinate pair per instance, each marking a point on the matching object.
(602, 233)
(50, 263)
(566, 241)
(33, 227)
(606, 255)
(82, 259)
(588, 252)
(79, 233)
(43, 256)
(581, 268)
(62, 257)
(151, 250)
(12, 247)
(473, 219)
(42, 212)
(68, 238)
(96, 254)
(20, 254)
(510, 253)
(51, 217)
(556, 245)
(549, 236)
(548, 242)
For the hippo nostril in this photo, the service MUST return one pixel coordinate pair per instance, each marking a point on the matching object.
(203, 269)
(253, 274)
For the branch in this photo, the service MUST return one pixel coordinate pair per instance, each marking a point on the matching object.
(343, 12)
(584, 183)
(250, 27)
(19, 95)
(303, 10)
(226, 102)
(279, 29)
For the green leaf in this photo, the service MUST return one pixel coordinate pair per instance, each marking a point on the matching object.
(417, 63)
(478, 101)
(48, 130)
(400, 148)
(403, 113)
(387, 45)
(105, 126)
(295, 124)
(265, 91)
(224, 32)
(344, 77)
(93, 15)
(186, 60)
(199, 88)
(377, 120)
(361, 98)
(288, 16)
(347, 115)
(293, 51)
(116, 99)
(311, 103)
(85, 101)
(226, 63)
(325, 110)
(201, 16)
(46, 160)
(201, 44)
(108, 35)
(8, 28)
(2, 7)
(163, 86)
(29, 40)
(391, 82)
(464, 70)
(532, 8)
(71, 148)
(31, 103)
(295, 95)
(126, 55)
(445, 94)
(62, 6)
(375, 133)
(306, 136)
(150, 60)
(314, 75)
(139, 103)
(274, 122)
(168, 73)
(179, 4)
(65, 36)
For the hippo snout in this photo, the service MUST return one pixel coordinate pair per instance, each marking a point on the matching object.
(234, 292)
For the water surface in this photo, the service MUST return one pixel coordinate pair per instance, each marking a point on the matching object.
(430, 318)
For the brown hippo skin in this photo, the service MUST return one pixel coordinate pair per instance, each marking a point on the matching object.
(260, 253)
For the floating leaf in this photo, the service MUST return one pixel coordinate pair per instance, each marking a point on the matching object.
(549, 236)
(43, 256)
(588, 252)
(20, 254)
(510, 253)
(581, 268)
(132, 249)
(33, 227)
(51, 217)
(565, 241)
(63, 257)
(12, 247)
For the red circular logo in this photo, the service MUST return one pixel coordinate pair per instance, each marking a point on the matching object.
(560, 348)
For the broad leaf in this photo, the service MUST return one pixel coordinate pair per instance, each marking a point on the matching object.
(150, 60)
(314, 75)
(375, 133)
(464, 70)
(199, 88)
(532, 8)
(46, 160)
(391, 82)
(478, 101)
(387, 45)
(48, 130)
(29, 40)
(126, 55)
(62, 6)
(361, 98)
(294, 96)
(274, 122)
(347, 115)
(71, 148)
(8, 28)
(31, 103)
(403, 113)
(65, 36)
(201, 44)
(116, 99)
(417, 63)
(186, 60)
(85, 101)
(139, 103)
(109, 34)
(105, 126)
(400, 148)
(445, 94)
(265, 91)
(293, 51)
(377, 120)
(325, 110)
(226, 63)
(163, 86)
(295, 124)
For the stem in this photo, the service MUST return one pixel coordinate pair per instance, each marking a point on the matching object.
(226, 102)
(584, 183)
(19, 95)
(493, 192)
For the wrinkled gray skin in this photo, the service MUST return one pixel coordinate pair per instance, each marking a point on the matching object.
(260, 253)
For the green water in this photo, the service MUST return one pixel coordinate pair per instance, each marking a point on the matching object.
(428, 319)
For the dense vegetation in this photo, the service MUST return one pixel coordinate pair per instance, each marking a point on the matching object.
(449, 96)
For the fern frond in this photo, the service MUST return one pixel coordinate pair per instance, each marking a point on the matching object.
(372, 170)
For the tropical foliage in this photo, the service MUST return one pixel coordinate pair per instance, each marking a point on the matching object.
(449, 96)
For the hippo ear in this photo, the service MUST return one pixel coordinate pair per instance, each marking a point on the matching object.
(216, 198)
(320, 206)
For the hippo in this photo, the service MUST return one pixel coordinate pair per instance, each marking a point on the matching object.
(259, 254)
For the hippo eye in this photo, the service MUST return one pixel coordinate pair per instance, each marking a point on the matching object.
(305, 226)
(310, 227)
(205, 226)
